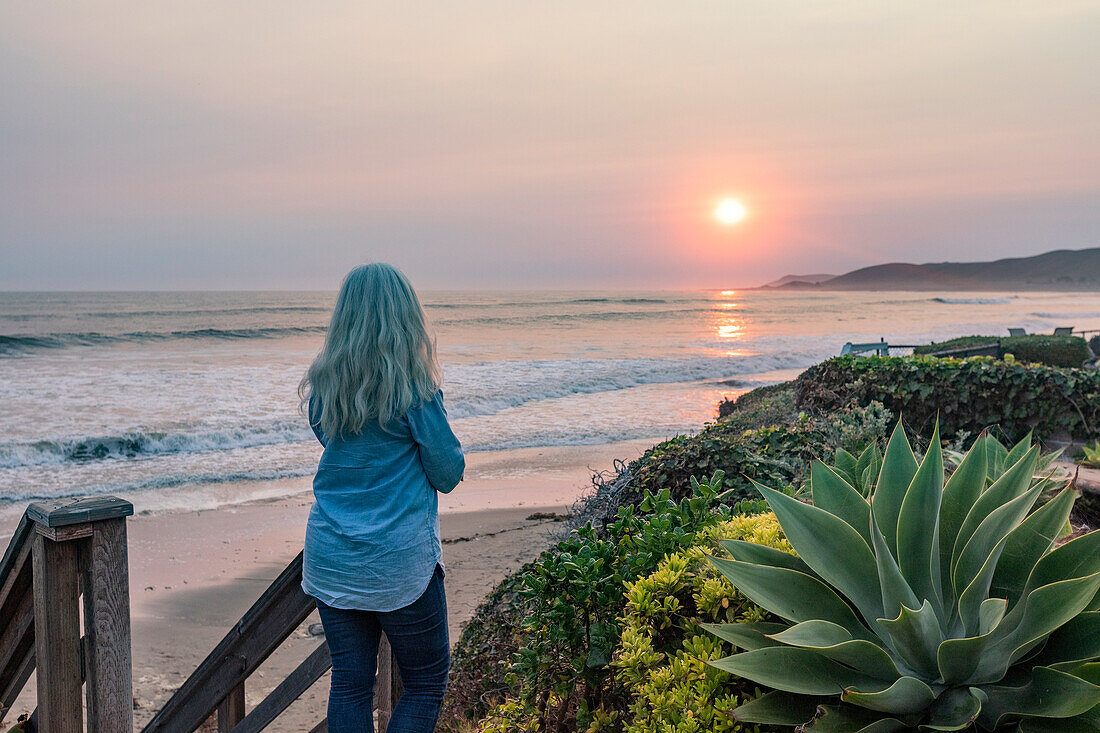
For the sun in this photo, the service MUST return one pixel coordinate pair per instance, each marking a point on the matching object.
(730, 211)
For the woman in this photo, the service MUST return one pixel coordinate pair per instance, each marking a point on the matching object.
(373, 559)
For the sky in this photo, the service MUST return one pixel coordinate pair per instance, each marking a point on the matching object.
(518, 144)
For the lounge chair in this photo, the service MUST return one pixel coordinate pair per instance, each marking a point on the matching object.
(1063, 331)
(1017, 332)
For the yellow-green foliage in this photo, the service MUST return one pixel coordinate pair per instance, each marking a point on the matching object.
(511, 716)
(663, 653)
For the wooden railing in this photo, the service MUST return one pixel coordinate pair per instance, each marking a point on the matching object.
(218, 684)
(66, 550)
(61, 552)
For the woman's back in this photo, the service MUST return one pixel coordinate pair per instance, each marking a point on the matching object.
(372, 540)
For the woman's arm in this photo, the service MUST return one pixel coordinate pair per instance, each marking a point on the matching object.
(440, 451)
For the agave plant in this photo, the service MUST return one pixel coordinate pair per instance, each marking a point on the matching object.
(932, 607)
(1090, 455)
(860, 472)
(1000, 458)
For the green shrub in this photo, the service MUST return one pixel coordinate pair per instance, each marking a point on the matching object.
(1058, 351)
(938, 605)
(762, 407)
(569, 603)
(966, 394)
(780, 453)
(663, 654)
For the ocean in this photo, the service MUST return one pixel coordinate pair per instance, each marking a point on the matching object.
(159, 396)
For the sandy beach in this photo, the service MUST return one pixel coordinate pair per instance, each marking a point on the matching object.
(194, 573)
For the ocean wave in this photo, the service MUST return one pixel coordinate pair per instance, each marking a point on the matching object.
(472, 390)
(139, 444)
(25, 343)
(241, 311)
(568, 301)
(565, 318)
(485, 389)
(171, 312)
(973, 301)
(1067, 315)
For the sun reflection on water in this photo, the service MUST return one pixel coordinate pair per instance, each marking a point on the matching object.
(728, 323)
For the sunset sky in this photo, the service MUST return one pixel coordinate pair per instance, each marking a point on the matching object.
(512, 144)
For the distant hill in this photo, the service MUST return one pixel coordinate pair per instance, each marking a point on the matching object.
(788, 279)
(1062, 269)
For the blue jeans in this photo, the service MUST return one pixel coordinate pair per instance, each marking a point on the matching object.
(418, 637)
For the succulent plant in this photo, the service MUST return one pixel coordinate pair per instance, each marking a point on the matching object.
(934, 606)
(1090, 457)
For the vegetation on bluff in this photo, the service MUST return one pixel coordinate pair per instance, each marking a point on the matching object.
(966, 395)
(1058, 351)
(603, 632)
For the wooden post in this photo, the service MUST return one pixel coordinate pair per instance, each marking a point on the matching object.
(231, 709)
(57, 635)
(75, 540)
(108, 667)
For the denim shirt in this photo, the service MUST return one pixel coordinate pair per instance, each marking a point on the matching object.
(372, 538)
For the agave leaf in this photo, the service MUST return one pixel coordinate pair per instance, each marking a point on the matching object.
(777, 708)
(829, 545)
(789, 594)
(886, 725)
(895, 591)
(918, 528)
(955, 709)
(836, 496)
(906, 696)
(1088, 721)
(867, 468)
(749, 635)
(834, 642)
(846, 466)
(764, 555)
(1078, 640)
(899, 465)
(973, 597)
(1046, 460)
(996, 453)
(792, 669)
(1078, 557)
(985, 659)
(1017, 451)
(871, 457)
(991, 612)
(915, 637)
(992, 531)
(1049, 694)
(1011, 484)
(851, 719)
(1027, 543)
(959, 494)
(978, 561)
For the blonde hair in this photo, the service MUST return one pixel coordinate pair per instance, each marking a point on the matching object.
(378, 359)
